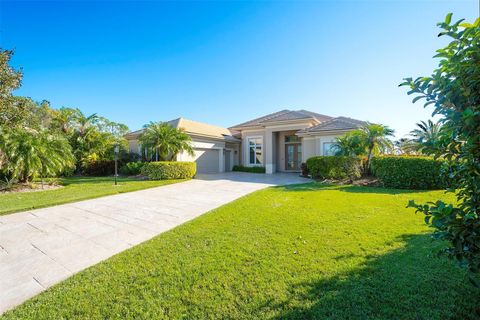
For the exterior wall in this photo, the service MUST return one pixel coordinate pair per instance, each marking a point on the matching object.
(235, 149)
(205, 144)
(309, 148)
(313, 146)
(134, 146)
(246, 134)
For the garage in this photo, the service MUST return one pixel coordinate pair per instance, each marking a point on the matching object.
(208, 160)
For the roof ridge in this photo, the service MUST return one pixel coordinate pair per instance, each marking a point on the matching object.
(263, 118)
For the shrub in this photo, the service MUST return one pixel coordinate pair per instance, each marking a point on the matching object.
(165, 170)
(132, 168)
(249, 169)
(304, 169)
(408, 172)
(99, 168)
(335, 167)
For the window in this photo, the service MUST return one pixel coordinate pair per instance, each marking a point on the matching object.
(289, 139)
(328, 149)
(255, 151)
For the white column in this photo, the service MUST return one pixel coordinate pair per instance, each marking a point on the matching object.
(269, 157)
(221, 164)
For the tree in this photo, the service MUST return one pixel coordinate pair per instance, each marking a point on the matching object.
(165, 141)
(11, 79)
(454, 91)
(350, 144)
(32, 153)
(375, 137)
(405, 146)
(427, 136)
(64, 119)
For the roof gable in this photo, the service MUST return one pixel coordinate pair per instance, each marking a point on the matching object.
(284, 115)
(338, 123)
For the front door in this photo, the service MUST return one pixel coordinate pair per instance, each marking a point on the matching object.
(293, 156)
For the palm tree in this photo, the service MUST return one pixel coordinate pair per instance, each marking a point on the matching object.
(375, 137)
(165, 140)
(350, 144)
(32, 153)
(427, 136)
(84, 123)
(65, 119)
(405, 146)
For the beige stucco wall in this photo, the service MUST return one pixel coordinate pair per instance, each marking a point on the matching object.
(134, 146)
(314, 146)
(308, 148)
(245, 136)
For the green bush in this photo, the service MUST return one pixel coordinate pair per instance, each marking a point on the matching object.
(409, 172)
(249, 169)
(132, 168)
(335, 167)
(165, 170)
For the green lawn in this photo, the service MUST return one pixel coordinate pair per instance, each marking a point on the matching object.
(297, 252)
(76, 188)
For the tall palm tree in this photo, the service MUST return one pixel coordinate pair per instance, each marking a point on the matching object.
(427, 136)
(405, 146)
(350, 144)
(84, 123)
(65, 119)
(165, 140)
(375, 137)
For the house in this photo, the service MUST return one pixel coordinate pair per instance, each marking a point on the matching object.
(215, 148)
(279, 141)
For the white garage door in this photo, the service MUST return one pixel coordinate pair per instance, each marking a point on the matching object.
(207, 160)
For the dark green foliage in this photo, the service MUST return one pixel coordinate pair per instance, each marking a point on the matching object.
(454, 91)
(99, 168)
(255, 169)
(163, 142)
(162, 170)
(132, 168)
(304, 169)
(335, 167)
(409, 172)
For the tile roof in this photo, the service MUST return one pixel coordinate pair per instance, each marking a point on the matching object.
(338, 123)
(195, 128)
(284, 115)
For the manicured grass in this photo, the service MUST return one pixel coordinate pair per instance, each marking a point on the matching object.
(297, 252)
(76, 188)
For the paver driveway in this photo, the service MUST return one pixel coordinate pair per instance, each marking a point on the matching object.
(39, 248)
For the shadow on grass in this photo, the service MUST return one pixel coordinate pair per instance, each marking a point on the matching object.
(93, 180)
(317, 186)
(408, 283)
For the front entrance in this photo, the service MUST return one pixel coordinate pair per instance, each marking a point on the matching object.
(293, 156)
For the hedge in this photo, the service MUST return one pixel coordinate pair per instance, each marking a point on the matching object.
(165, 170)
(334, 167)
(249, 169)
(409, 172)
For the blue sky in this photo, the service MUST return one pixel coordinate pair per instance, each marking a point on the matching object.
(227, 62)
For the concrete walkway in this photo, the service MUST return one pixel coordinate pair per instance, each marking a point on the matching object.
(40, 248)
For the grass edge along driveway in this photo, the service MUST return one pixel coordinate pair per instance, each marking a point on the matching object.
(74, 189)
(294, 252)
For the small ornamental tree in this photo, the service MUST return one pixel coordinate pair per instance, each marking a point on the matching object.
(454, 91)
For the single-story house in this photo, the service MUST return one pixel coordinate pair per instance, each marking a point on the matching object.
(280, 141)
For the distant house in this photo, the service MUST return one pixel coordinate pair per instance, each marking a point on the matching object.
(280, 141)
